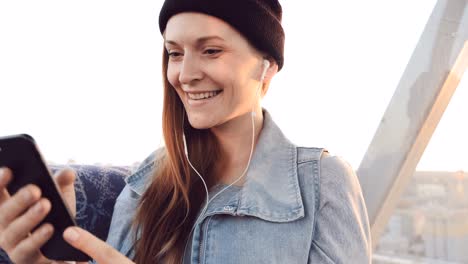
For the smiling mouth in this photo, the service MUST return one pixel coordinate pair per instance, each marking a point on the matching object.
(203, 96)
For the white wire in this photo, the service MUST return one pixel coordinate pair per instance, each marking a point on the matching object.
(206, 188)
(243, 173)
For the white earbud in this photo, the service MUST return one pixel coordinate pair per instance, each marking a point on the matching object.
(266, 64)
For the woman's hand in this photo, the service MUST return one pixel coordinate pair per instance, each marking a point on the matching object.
(97, 249)
(23, 211)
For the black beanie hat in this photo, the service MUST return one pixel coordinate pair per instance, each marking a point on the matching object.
(259, 21)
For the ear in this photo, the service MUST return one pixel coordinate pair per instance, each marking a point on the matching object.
(272, 70)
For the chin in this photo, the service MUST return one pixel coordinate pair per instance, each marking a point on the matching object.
(200, 126)
(201, 123)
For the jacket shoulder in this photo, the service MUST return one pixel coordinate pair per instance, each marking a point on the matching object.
(307, 154)
(142, 177)
(152, 159)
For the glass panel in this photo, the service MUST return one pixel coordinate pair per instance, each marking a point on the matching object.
(431, 220)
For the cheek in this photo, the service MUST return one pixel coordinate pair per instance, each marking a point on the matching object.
(172, 76)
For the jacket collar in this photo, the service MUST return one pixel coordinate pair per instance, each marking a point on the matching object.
(271, 190)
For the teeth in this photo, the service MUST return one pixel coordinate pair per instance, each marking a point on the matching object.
(199, 96)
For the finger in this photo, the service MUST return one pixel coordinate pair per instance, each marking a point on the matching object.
(65, 178)
(29, 247)
(18, 203)
(5, 178)
(93, 246)
(22, 226)
(67, 262)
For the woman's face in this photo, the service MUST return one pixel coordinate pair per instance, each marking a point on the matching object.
(213, 68)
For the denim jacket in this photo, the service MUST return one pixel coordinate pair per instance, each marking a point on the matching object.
(297, 205)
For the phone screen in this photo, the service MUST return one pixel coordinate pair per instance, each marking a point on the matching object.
(22, 156)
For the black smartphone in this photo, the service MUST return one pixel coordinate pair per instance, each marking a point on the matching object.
(21, 154)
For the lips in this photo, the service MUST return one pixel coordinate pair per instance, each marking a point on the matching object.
(200, 99)
(203, 95)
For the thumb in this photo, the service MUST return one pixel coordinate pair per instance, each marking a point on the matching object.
(94, 247)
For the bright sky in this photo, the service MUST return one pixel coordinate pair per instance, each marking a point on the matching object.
(84, 77)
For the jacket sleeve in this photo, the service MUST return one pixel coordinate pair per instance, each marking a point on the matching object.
(341, 232)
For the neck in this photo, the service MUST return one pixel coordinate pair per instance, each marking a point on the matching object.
(235, 140)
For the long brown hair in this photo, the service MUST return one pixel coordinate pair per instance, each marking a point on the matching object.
(169, 206)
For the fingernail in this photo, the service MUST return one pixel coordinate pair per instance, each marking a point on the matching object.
(2, 177)
(71, 235)
(46, 230)
(38, 208)
(27, 195)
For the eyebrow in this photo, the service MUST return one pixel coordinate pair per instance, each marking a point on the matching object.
(198, 41)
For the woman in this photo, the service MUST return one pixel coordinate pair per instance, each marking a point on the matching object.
(269, 201)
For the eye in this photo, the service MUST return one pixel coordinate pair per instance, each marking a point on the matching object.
(174, 54)
(212, 51)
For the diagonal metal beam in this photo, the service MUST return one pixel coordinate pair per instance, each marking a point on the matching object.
(423, 93)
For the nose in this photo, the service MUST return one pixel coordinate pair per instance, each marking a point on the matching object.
(190, 70)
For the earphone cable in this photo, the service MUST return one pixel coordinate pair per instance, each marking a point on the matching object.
(252, 114)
